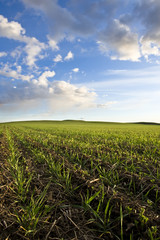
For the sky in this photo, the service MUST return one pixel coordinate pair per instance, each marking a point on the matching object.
(96, 60)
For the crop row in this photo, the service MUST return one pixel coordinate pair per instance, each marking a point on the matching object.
(69, 183)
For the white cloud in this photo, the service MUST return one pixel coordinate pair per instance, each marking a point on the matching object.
(58, 58)
(149, 48)
(51, 90)
(58, 95)
(81, 19)
(16, 53)
(14, 30)
(19, 69)
(60, 19)
(52, 43)
(118, 41)
(11, 30)
(113, 36)
(69, 56)
(3, 54)
(75, 70)
(42, 80)
(6, 71)
(148, 13)
(66, 96)
(10, 73)
(33, 50)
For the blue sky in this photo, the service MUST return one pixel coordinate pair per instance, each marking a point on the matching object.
(91, 60)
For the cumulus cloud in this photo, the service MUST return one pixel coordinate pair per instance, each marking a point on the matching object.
(149, 47)
(33, 49)
(78, 19)
(60, 18)
(58, 58)
(120, 42)
(3, 54)
(90, 18)
(11, 30)
(16, 53)
(66, 95)
(69, 56)
(84, 19)
(19, 69)
(52, 43)
(146, 17)
(6, 71)
(148, 12)
(14, 30)
(118, 37)
(58, 95)
(75, 70)
(43, 79)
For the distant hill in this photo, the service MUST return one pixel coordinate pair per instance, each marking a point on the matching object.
(82, 121)
(148, 123)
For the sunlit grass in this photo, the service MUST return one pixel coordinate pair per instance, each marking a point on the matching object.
(109, 174)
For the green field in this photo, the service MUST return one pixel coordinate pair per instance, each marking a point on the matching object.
(76, 180)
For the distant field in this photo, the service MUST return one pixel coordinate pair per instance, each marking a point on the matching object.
(76, 180)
